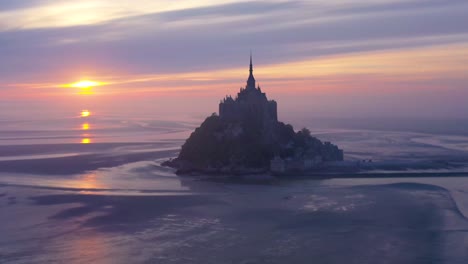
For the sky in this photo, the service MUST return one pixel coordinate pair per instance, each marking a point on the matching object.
(323, 58)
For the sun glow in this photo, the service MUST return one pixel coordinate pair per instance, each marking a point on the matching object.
(85, 113)
(85, 141)
(85, 126)
(85, 84)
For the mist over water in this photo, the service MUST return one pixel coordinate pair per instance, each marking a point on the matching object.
(90, 188)
(446, 126)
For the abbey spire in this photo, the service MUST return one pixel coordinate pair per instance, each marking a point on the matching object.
(251, 67)
(249, 104)
(251, 80)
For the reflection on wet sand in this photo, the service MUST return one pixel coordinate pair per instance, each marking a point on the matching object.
(89, 181)
(90, 246)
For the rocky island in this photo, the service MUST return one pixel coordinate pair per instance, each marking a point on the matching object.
(247, 138)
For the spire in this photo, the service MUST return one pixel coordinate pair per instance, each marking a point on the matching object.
(251, 80)
(251, 67)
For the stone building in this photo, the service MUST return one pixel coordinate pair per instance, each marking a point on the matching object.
(250, 103)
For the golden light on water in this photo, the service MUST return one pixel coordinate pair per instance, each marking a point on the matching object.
(89, 181)
(85, 113)
(85, 126)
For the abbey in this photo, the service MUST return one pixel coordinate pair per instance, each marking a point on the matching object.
(250, 104)
(246, 137)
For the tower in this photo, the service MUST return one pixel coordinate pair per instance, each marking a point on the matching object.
(251, 79)
(249, 104)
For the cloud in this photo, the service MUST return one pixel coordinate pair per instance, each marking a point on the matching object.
(9, 5)
(396, 6)
(64, 13)
(220, 36)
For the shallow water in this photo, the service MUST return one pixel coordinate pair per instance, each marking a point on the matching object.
(108, 200)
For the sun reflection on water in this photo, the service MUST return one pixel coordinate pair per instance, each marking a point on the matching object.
(85, 126)
(90, 246)
(89, 181)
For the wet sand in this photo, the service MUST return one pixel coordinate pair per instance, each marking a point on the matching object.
(85, 157)
(109, 202)
(230, 223)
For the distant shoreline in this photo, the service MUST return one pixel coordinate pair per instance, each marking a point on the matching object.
(382, 175)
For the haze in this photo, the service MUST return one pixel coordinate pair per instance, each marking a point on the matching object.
(337, 59)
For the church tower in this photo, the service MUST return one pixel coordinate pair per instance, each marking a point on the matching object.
(251, 79)
(249, 104)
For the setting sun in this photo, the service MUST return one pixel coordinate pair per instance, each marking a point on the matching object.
(85, 84)
(85, 113)
(85, 141)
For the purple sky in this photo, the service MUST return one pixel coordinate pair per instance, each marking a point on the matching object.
(324, 58)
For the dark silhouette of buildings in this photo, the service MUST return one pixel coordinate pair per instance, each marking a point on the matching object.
(250, 103)
(246, 137)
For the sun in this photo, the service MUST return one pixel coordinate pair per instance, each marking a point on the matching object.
(85, 87)
(85, 113)
(85, 84)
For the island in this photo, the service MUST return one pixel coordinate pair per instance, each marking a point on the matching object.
(247, 138)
